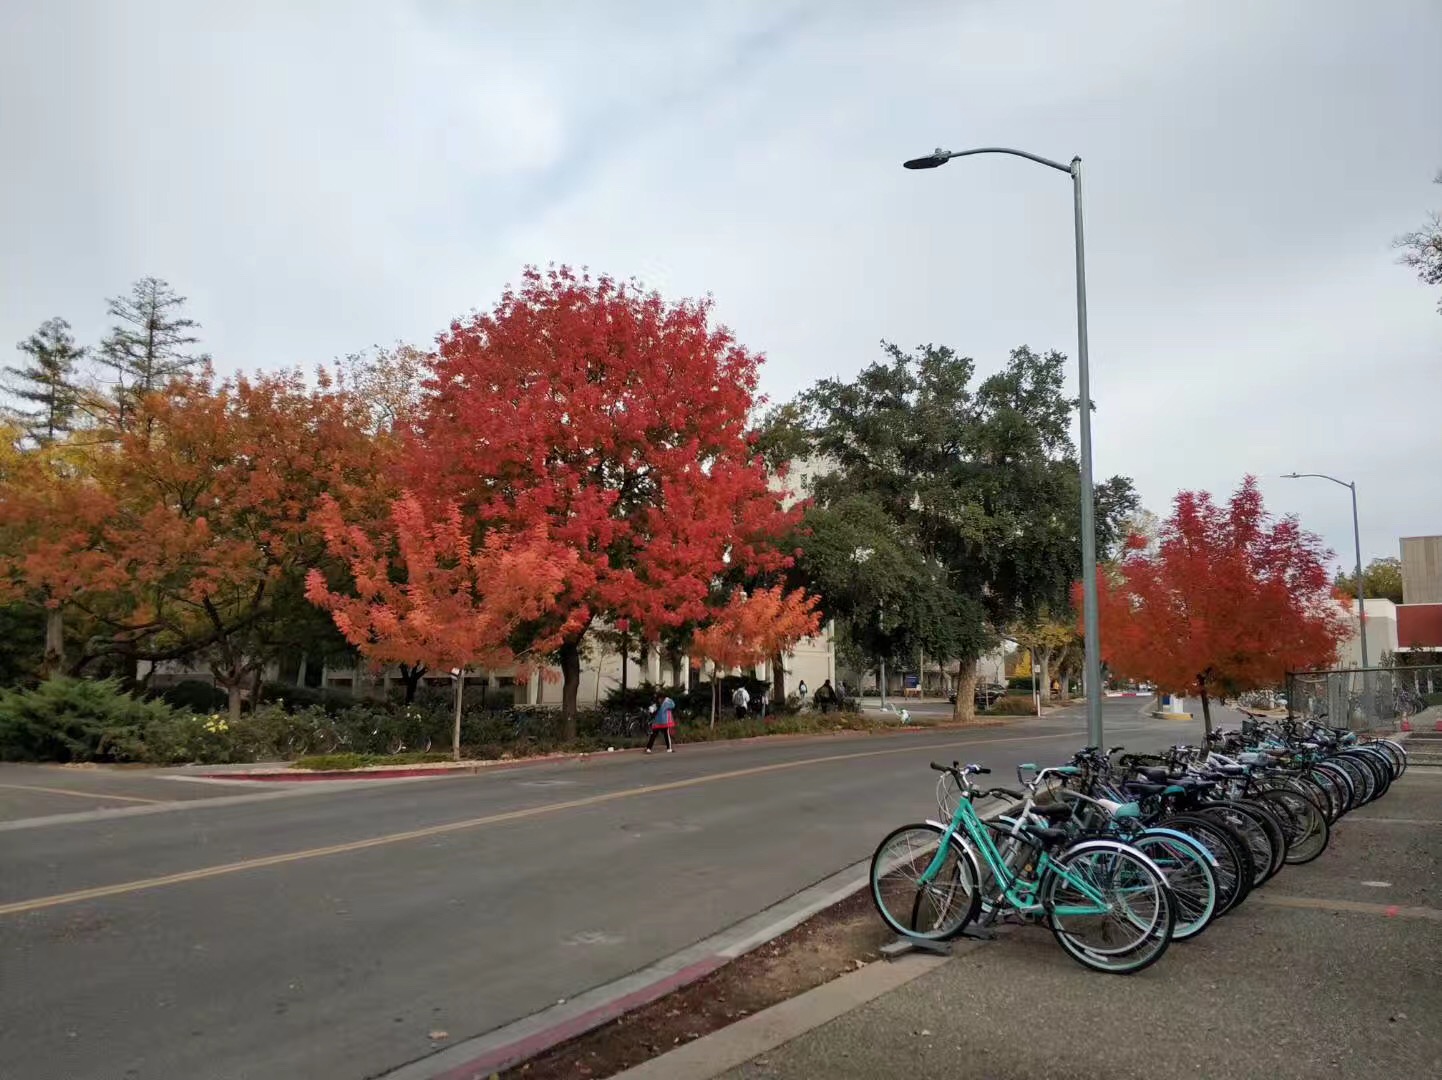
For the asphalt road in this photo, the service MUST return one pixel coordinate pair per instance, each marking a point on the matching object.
(339, 933)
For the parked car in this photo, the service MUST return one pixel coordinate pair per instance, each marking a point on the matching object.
(985, 695)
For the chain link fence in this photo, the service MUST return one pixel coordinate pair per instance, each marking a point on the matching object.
(1364, 699)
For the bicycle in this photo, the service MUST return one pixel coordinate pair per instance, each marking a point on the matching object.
(1107, 904)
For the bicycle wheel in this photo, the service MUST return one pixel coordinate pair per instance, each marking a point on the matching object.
(1346, 790)
(1364, 771)
(1302, 820)
(1271, 821)
(1253, 834)
(1381, 766)
(1397, 752)
(1234, 870)
(908, 901)
(1187, 866)
(1136, 927)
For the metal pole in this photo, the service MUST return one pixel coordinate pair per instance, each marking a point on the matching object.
(883, 686)
(1090, 621)
(1361, 592)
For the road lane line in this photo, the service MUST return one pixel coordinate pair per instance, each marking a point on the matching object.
(100, 892)
(80, 794)
(1356, 907)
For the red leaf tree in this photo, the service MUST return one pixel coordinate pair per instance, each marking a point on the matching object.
(751, 628)
(424, 593)
(616, 420)
(1229, 601)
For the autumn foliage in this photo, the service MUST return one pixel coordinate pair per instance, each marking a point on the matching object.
(615, 421)
(752, 627)
(1230, 601)
(424, 593)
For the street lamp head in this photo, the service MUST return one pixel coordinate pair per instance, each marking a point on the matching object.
(930, 161)
(1291, 476)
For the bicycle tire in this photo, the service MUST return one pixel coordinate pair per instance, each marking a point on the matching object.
(901, 899)
(1252, 832)
(1187, 866)
(1235, 866)
(1305, 822)
(1346, 789)
(1125, 862)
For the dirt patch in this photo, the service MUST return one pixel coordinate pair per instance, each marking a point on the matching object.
(829, 944)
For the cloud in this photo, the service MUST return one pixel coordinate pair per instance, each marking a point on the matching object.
(322, 176)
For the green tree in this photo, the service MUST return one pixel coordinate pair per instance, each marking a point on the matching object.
(979, 482)
(47, 381)
(147, 346)
(1381, 579)
(1422, 249)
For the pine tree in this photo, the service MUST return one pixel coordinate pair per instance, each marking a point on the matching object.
(47, 381)
(146, 346)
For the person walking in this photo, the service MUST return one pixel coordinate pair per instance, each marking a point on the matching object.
(663, 719)
(825, 696)
(741, 699)
(801, 692)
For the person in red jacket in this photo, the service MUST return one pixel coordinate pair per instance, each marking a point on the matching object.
(663, 719)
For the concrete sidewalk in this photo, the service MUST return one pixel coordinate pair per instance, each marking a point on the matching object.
(1333, 969)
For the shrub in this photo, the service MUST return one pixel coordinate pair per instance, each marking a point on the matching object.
(193, 695)
(1011, 706)
(339, 762)
(1019, 682)
(294, 698)
(1432, 699)
(66, 719)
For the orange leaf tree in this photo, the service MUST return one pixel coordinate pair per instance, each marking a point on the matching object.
(188, 534)
(1230, 600)
(424, 593)
(752, 627)
(618, 421)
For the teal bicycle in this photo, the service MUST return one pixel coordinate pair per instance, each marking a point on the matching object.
(1107, 904)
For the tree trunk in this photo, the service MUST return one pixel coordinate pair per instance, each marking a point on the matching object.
(255, 683)
(1206, 714)
(570, 659)
(965, 711)
(1043, 674)
(715, 695)
(411, 679)
(54, 662)
(778, 679)
(233, 698)
(625, 664)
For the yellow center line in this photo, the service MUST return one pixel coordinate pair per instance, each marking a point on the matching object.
(80, 794)
(121, 888)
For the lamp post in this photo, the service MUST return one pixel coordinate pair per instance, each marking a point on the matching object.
(1357, 540)
(1090, 622)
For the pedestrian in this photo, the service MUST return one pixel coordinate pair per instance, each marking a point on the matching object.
(825, 696)
(742, 700)
(801, 691)
(763, 701)
(663, 719)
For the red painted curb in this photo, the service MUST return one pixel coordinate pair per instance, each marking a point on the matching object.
(532, 1045)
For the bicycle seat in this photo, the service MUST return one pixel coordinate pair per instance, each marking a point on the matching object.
(1135, 787)
(1053, 811)
(1157, 775)
(1045, 835)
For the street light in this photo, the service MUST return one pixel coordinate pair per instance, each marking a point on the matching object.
(1357, 540)
(1090, 622)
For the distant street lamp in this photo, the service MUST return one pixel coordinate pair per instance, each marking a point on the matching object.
(1357, 540)
(1090, 621)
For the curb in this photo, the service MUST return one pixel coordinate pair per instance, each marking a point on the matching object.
(513, 1043)
(1172, 715)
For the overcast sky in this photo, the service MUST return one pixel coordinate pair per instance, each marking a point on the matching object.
(321, 176)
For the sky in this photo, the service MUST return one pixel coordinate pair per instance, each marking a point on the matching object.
(324, 176)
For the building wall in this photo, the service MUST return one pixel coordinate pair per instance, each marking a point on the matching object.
(1422, 569)
(1382, 636)
(1419, 626)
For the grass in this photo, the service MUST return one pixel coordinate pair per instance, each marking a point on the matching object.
(345, 762)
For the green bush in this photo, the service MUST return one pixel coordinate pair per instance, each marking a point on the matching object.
(1432, 699)
(67, 720)
(1019, 682)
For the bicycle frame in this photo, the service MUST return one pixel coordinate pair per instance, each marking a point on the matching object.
(1020, 893)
